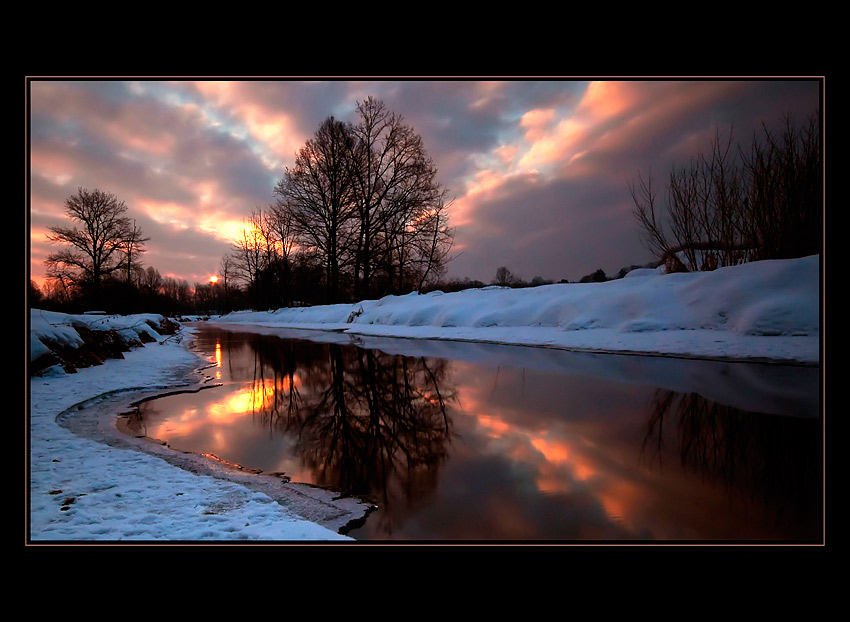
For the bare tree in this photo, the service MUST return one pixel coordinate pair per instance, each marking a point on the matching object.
(97, 245)
(319, 192)
(225, 269)
(784, 191)
(394, 187)
(650, 220)
(403, 217)
(504, 277)
(363, 199)
(728, 207)
(133, 246)
(433, 244)
(282, 223)
(152, 282)
(247, 254)
(177, 290)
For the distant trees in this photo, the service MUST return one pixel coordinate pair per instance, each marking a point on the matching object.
(735, 205)
(104, 241)
(597, 276)
(100, 265)
(504, 277)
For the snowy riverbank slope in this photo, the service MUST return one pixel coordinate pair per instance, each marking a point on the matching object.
(82, 489)
(761, 310)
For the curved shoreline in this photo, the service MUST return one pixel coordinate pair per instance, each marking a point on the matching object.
(103, 419)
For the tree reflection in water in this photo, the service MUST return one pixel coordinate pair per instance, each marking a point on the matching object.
(366, 423)
(765, 460)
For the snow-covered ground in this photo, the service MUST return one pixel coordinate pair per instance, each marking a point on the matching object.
(762, 310)
(97, 487)
(89, 483)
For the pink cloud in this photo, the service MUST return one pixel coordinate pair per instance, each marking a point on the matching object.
(620, 117)
(268, 125)
(135, 137)
(52, 166)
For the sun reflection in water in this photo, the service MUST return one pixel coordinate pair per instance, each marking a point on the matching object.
(255, 397)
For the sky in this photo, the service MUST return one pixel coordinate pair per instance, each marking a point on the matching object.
(537, 170)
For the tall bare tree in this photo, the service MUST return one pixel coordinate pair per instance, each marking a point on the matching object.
(319, 191)
(395, 190)
(363, 198)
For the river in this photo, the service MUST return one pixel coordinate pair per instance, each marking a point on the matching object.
(463, 442)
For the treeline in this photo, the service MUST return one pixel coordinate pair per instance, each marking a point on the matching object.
(738, 203)
(147, 291)
(359, 215)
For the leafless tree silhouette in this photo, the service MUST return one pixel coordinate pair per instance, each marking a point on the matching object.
(732, 206)
(94, 247)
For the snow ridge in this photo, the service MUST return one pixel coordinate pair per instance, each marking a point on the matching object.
(725, 313)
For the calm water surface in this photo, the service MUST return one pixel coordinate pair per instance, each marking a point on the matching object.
(479, 442)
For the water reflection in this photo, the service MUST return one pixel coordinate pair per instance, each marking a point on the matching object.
(463, 442)
(765, 461)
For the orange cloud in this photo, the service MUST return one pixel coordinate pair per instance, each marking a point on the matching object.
(567, 139)
(484, 180)
(610, 118)
(496, 427)
(167, 212)
(536, 122)
(604, 100)
(507, 153)
(638, 107)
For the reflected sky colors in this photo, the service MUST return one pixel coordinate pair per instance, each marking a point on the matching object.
(458, 450)
(538, 169)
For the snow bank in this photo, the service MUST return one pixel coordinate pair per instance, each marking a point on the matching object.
(70, 341)
(763, 310)
(64, 328)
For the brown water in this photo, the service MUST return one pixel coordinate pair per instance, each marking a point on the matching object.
(473, 442)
